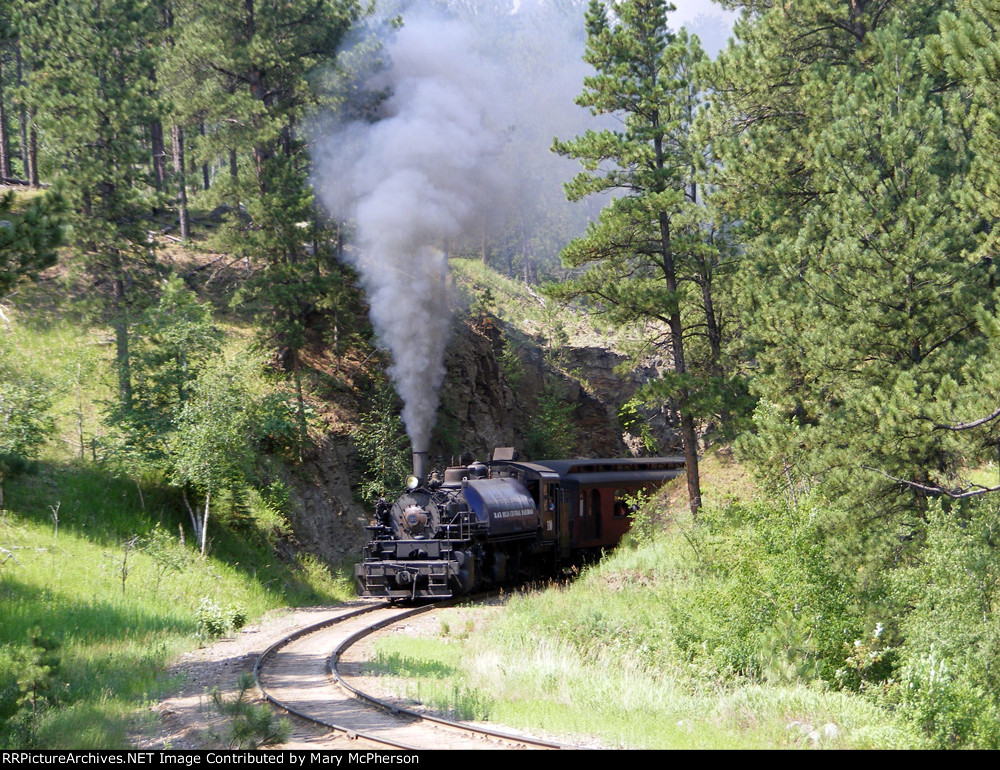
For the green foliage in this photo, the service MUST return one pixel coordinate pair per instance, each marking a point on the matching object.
(510, 363)
(252, 725)
(246, 73)
(165, 552)
(114, 648)
(868, 663)
(967, 50)
(25, 402)
(198, 415)
(635, 423)
(268, 510)
(643, 528)
(484, 304)
(851, 221)
(171, 345)
(767, 599)
(595, 659)
(214, 621)
(948, 678)
(28, 237)
(28, 687)
(90, 82)
(211, 445)
(652, 254)
(382, 447)
(551, 432)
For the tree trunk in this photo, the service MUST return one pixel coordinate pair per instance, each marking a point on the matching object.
(159, 153)
(711, 323)
(177, 134)
(204, 522)
(689, 436)
(120, 324)
(303, 429)
(205, 179)
(33, 153)
(195, 521)
(23, 115)
(4, 139)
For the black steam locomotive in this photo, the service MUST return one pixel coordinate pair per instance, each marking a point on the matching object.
(505, 521)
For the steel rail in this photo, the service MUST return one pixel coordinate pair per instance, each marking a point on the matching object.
(305, 631)
(392, 709)
(333, 672)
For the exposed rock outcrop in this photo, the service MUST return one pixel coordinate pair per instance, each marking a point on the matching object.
(480, 410)
(327, 520)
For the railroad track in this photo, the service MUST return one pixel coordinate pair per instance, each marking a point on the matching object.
(304, 674)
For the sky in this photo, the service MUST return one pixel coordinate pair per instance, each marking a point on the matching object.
(708, 21)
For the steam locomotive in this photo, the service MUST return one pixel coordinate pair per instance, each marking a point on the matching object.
(503, 521)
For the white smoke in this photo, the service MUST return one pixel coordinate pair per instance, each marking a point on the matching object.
(473, 108)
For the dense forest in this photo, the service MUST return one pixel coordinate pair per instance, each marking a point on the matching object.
(801, 228)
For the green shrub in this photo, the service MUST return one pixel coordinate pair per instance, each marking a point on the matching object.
(251, 725)
(764, 598)
(949, 680)
(552, 432)
(382, 447)
(214, 622)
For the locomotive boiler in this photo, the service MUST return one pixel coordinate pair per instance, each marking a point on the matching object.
(503, 521)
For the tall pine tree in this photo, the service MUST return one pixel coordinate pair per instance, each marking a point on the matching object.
(90, 83)
(643, 257)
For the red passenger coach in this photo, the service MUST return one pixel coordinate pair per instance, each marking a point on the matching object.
(586, 499)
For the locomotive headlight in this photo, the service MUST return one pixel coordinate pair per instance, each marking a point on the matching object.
(412, 482)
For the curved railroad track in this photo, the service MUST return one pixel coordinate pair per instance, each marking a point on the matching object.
(306, 674)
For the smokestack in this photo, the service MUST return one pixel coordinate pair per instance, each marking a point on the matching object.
(420, 465)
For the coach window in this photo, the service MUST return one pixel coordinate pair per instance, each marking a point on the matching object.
(621, 504)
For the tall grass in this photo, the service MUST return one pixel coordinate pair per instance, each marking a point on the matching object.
(97, 590)
(594, 663)
(718, 634)
(524, 309)
(114, 616)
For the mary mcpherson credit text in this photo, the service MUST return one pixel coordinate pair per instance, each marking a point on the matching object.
(293, 758)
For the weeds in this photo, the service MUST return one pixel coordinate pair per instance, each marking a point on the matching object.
(251, 725)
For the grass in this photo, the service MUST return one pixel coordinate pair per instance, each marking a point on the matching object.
(97, 591)
(524, 309)
(588, 664)
(114, 638)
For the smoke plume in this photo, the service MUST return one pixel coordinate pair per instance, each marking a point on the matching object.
(462, 141)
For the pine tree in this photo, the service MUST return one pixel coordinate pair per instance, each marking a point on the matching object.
(968, 50)
(28, 237)
(650, 244)
(93, 96)
(244, 69)
(171, 343)
(845, 160)
(8, 36)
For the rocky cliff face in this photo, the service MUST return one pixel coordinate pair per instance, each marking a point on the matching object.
(481, 411)
(327, 520)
